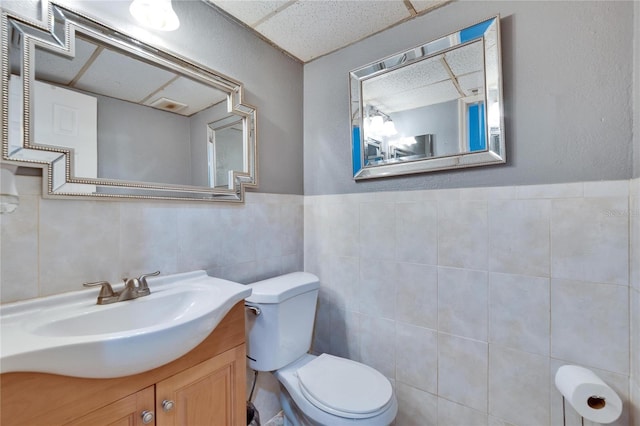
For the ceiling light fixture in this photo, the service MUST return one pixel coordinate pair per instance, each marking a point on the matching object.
(155, 14)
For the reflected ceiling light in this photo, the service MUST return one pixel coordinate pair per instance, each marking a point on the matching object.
(155, 14)
(388, 128)
(379, 126)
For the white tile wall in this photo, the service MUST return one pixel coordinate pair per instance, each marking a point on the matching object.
(19, 250)
(454, 414)
(590, 324)
(417, 357)
(53, 246)
(416, 407)
(519, 242)
(518, 386)
(462, 302)
(468, 299)
(377, 348)
(634, 271)
(416, 232)
(462, 234)
(590, 239)
(519, 312)
(378, 297)
(508, 283)
(462, 371)
(416, 294)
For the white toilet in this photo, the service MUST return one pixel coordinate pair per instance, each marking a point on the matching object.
(315, 390)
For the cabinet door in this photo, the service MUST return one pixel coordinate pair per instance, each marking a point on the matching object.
(211, 393)
(127, 411)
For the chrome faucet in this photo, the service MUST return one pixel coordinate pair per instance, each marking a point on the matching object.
(133, 288)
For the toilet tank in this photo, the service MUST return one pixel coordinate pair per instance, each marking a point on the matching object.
(282, 332)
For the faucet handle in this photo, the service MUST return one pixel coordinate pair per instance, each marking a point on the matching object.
(143, 278)
(131, 283)
(105, 289)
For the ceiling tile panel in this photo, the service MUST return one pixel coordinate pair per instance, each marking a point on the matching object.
(309, 28)
(195, 95)
(472, 84)
(423, 6)
(122, 77)
(62, 69)
(405, 79)
(250, 12)
(419, 97)
(466, 59)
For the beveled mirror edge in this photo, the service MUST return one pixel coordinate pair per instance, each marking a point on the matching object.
(235, 104)
(489, 156)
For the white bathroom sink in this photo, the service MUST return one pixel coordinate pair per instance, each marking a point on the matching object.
(69, 334)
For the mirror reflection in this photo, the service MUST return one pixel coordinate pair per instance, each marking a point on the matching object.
(428, 106)
(110, 115)
(225, 151)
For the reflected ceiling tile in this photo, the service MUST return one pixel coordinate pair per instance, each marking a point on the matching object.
(59, 69)
(422, 96)
(308, 29)
(195, 95)
(250, 12)
(466, 59)
(472, 84)
(116, 75)
(427, 72)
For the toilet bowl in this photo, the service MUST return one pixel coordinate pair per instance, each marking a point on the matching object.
(322, 390)
(348, 393)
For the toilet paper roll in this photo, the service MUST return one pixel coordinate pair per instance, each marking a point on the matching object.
(588, 394)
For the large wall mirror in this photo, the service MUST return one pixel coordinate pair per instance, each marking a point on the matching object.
(433, 107)
(108, 116)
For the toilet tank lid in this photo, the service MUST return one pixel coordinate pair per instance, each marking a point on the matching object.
(283, 287)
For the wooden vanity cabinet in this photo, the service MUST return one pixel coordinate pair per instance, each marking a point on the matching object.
(203, 394)
(128, 411)
(205, 387)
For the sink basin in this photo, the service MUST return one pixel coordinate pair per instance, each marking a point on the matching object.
(69, 334)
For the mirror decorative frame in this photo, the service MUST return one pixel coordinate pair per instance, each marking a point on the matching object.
(57, 33)
(488, 32)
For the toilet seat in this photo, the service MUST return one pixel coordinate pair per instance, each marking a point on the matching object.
(343, 387)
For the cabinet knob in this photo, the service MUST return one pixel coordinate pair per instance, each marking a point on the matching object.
(147, 416)
(167, 405)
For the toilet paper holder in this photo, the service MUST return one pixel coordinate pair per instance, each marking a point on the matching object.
(594, 401)
(588, 394)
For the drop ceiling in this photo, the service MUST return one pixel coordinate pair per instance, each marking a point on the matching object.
(102, 71)
(305, 29)
(452, 75)
(309, 29)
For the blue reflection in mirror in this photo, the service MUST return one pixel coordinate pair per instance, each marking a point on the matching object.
(476, 127)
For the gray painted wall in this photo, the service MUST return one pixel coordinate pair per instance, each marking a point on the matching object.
(440, 120)
(273, 81)
(143, 144)
(146, 144)
(568, 69)
(636, 90)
